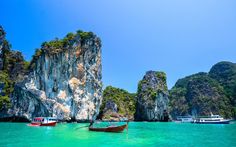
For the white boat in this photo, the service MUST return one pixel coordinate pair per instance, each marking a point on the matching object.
(184, 119)
(213, 119)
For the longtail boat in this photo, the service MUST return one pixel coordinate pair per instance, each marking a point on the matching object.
(43, 121)
(110, 128)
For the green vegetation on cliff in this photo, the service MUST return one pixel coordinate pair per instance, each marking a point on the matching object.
(152, 97)
(152, 92)
(6, 86)
(124, 100)
(12, 69)
(59, 45)
(67, 40)
(225, 74)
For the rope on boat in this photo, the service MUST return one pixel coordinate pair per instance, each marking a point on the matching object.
(81, 127)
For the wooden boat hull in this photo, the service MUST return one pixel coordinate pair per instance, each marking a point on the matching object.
(42, 124)
(49, 124)
(109, 129)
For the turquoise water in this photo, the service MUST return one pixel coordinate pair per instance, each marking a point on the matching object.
(139, 134)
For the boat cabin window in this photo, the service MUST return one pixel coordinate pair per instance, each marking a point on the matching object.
(37, 120)
(43, 119)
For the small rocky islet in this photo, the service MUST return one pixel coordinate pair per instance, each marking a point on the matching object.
(64, 80)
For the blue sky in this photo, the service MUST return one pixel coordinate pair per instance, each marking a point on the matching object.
(179, 37)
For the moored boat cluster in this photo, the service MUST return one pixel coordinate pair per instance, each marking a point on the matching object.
(212, 119)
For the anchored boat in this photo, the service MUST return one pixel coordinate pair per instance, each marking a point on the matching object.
(184, 119)
(43, 121)
(116, 129)
(213, 119)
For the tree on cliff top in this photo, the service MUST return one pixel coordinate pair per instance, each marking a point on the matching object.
(59, 45)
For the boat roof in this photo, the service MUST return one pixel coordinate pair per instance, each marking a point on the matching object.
(212, 116)
(40, 118)
(184, 116)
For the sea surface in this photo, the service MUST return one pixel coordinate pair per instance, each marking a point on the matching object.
(138, 134)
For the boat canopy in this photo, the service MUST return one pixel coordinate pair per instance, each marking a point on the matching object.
(38, 118)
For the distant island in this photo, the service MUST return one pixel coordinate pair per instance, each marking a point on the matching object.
(64, 80)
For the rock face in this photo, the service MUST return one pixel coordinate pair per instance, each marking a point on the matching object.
(117, 104)
(225, 73)
(2, 46)
(110, 105)
(199, 95)
(64, 80)
(12, 70)
(206, 93)
(11, 62)
(2, 38)
(152, 98)
(110, 112)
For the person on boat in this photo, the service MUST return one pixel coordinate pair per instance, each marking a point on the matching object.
(91, 123)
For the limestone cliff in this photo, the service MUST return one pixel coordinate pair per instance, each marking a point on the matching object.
(152, 98)
(205, 93)
(64, 80)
